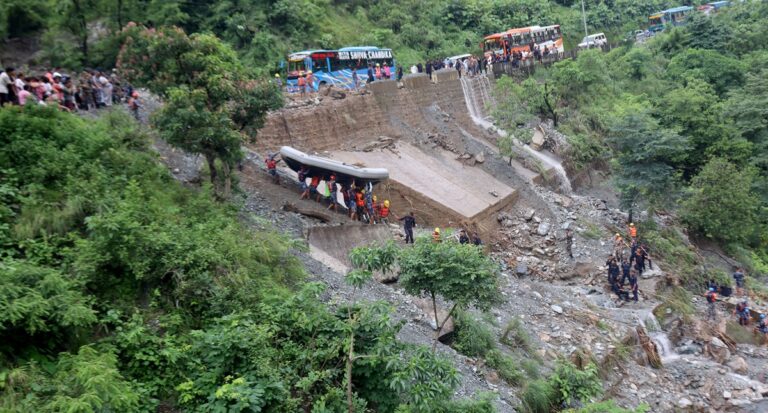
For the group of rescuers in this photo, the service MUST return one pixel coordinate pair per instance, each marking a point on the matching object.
(742, 311)
(622, 268)
(360, 202)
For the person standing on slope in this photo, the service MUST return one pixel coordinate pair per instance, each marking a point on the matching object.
(408, 223)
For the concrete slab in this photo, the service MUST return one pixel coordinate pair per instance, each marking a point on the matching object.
(438, 176)
(331, 245)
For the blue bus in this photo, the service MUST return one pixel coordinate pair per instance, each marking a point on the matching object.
(334, 67)
(671, 17)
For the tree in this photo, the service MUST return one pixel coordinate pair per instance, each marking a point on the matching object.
(721, 71)
(73, 16)
(720, 203)
(211, 98)
(459, 273)
(646, 154)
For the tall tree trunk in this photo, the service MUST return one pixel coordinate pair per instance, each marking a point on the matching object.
(82, 26)
(226, 172)
(119, 14)
(438, 323)
(211, 159)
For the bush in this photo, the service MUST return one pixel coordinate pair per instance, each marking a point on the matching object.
(506, 366)
(473, 337)
(514, 335)
(539, 397)
(575, 385)
(531, 368)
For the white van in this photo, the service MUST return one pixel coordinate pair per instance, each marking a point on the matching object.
(593, 40)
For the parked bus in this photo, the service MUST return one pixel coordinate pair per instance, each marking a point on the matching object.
(334, 67)
(523, 40)
(669, 18)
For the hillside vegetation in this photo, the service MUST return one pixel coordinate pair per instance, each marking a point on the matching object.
(86, 32)
(122, 291)
(681, 121)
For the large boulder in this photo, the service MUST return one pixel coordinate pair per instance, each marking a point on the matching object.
(738, 365)
(719, 351)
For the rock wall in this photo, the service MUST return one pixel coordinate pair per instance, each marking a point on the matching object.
(389, 110)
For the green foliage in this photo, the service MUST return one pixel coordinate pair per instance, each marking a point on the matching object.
(575, 385)
(608, 406)
(88, 381)
(473, 337)
(39, 300)
(460, 273)
(566, 387)
(721, 204)
(539, 396)
(515, 335)
(210, 97)
(647, 154)
(507, 367)
(678, 301)
(721, 71)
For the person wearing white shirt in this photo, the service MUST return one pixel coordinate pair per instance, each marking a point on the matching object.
(6, 86)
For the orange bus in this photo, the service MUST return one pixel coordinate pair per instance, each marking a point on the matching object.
(523, 40)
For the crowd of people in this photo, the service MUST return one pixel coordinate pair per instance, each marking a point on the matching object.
(92, 89)
(626, 264)
(516, 56)
(469, 66)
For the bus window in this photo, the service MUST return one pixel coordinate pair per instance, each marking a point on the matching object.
(319, 64)
(295, 66)
(381, 62)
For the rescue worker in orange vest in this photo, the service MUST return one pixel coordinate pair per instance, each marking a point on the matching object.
(618, 247)
(310, 82)
(436, 235)
(632, 230)
(384, 212)
(302, 82)
(359, 201)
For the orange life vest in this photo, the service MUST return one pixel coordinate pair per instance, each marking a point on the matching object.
(359, 199)
(383, 212)
(436, 236)
(302, 81)
(633, 232)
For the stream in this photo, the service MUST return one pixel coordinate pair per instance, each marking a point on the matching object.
(476, 112)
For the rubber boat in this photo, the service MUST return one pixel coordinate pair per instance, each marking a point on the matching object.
(345, 172)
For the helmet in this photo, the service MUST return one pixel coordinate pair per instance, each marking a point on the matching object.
(712, 289)
(762, 316)
(386, 203)
(374, 198)
(631, 224)
(301, 73)
(277, 74)
(437, 230)
(377, 65)
(135, 94)
(309, 72)
(618, 235)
